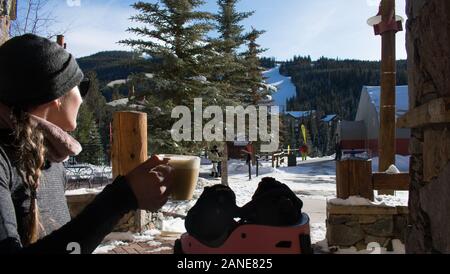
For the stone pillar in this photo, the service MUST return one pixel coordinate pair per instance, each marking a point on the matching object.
(7, 13)
(428, 39)
(4, 29)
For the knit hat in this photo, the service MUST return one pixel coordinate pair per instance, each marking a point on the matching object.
(35, 71)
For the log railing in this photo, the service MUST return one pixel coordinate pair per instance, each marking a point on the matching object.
(355, 178)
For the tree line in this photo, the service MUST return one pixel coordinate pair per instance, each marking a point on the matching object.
(332, 85)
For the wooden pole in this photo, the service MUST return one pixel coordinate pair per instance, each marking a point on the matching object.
(354, 178)
(129, 150)
(129, 142)
(224, 171)
(386, 142)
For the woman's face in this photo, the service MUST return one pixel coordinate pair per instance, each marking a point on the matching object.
(64, 113)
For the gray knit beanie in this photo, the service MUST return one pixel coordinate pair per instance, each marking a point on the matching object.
(35, 71)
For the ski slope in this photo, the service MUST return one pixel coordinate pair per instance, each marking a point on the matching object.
(285, 88)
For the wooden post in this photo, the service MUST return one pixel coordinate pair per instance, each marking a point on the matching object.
(60, 40)
(354, 178)
(224, 171)
(386, 142)
(129, 150)
(129, 144)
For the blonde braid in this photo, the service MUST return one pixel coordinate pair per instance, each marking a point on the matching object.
(30, 149)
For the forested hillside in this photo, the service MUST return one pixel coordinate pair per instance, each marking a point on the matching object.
(113, 65)
(333, 85)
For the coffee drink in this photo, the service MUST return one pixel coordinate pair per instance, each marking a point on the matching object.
(185, 175)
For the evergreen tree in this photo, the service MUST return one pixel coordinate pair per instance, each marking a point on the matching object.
(230, 70)
(96, 103)
(94, 99)
(175, 32)
(84, 122)
(229, 25)
(93, 151)
(254, 79)
(88, 135)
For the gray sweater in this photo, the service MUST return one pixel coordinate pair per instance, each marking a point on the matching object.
(88, 229)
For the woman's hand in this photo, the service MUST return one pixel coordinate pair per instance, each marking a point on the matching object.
(151, 183)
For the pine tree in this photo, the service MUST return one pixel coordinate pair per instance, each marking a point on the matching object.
(94, 99)
(88, 135)
(229, 25)
(93, 152)
(175, 32)
(254, 79)
(229, 66)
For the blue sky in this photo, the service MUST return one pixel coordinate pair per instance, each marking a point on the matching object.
(331, 28)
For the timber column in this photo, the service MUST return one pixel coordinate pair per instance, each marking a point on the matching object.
(387, 25)
(386, 143)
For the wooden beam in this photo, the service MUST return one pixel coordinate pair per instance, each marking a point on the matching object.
(129, 146)
(386, 148)
(365, 210)
(434, 112)
(383, 181)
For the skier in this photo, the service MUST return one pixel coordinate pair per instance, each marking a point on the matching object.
(304, 152)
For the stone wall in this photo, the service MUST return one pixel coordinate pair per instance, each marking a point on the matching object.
(428, 33)
(5, 9)
(4, 29)
(358, 226)
(135, 221)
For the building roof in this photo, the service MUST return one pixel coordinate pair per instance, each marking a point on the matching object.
(329, 118)
(402, 98)
(300, 114)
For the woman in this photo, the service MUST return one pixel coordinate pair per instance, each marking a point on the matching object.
(39, 103)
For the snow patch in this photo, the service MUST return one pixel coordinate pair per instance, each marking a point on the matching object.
(393, 170)
(84, 191)
(284, 86)
(381, 201)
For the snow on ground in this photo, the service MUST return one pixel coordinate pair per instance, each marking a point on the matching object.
(285, 88)
(381, 200)
(401, 162)
(117, 239)
(314, 181)
(108, 246)
(84, 191)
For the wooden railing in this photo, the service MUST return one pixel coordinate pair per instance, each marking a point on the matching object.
(355, 178)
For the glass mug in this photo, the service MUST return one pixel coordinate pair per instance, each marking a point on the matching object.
(185, 175)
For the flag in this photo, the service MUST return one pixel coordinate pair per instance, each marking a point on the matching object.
(304, 133)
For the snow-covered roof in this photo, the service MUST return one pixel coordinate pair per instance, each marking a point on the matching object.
(285, 88)
(125, 101)
(200, 78)
(329, 118)
(402, 98)
(300, 114)
(117, 82)
(120, 102)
